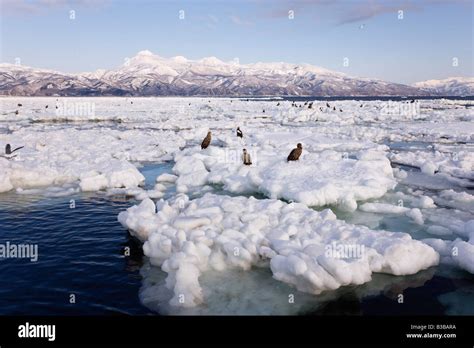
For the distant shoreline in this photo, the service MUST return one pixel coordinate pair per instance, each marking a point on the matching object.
(260, 98)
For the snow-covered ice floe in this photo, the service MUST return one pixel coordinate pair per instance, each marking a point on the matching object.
(94, 159)
(322, 176)
(457, 252)
(312, 251)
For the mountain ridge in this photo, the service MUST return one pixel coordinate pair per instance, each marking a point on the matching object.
(147, 74)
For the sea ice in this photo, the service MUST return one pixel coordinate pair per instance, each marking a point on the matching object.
(326, 177)
(310, 250)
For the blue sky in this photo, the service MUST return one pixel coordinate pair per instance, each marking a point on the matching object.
(422, 45)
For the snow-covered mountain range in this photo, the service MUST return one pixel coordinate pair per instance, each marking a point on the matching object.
(148, 74)
(451, 86)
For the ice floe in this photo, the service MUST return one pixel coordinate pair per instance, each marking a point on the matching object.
(321, 177)
(95, 159)
(313, 251)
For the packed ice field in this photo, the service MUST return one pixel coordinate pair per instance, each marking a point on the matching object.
(381, 187)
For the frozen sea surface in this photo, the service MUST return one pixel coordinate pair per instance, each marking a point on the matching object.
(380, 167)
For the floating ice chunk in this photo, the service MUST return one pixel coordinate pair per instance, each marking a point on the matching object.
(383, 208)
(166, 177)
(95, 159)
(5, 184)
(188, 237)
(317, 179)
(94, 182)
(428, 168)
(458, 252)
(416, 215)
(139, 219)
(439, 230)
(399, 173)
(424, 202)
(465, 255)
(398, 258)
(457, 200)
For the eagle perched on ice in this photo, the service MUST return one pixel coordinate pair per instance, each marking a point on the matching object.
(246, 158)
(295, 153)
(207, 140)
(9, 151)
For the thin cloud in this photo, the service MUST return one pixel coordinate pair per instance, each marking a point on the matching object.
(344, 11)
(373, 9)
(213, 18)
(40, 6)
(239, 21)
(210, 21)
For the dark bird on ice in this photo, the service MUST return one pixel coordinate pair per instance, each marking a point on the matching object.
(46, 107)
(263, 110)
(207, 140)
(246, 158)
(278, 104)
(327, 104)
(412, 101)
(9, 151)
(17, 112)
(334, 108)
(20, 105)
(239, 133)
(340, 110)
(295, 153)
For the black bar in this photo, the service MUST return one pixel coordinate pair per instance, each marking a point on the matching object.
(223, 330)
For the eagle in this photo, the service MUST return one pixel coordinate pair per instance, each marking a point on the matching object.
(295, 153)
(9, 151)
(207, 140)
(246, 158)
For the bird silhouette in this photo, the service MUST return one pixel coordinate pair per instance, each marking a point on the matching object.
(9, 151)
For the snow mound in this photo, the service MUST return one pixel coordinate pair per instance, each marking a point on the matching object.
(310, 250)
